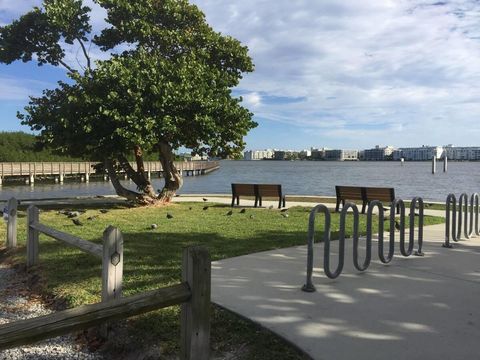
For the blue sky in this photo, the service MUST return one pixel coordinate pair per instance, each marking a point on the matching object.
(339, 74)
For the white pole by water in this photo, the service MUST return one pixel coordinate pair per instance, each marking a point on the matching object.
(434, 164)
(445, 160)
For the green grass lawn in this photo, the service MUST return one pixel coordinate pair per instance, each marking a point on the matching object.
(153, 259)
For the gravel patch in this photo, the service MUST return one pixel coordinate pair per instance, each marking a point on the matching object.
(16, 303)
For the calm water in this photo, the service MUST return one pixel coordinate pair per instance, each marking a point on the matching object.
(299, 177)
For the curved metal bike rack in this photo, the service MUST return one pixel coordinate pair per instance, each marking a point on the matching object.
(454, 224)
(475, 198)
(413, 206)
(309, 287)
(450, 208)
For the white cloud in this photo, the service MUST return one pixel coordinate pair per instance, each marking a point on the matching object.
(405, 71)
(405, 65)
(15, 89)
(252, 100)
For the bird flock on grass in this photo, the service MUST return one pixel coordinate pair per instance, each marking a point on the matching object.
(74, 215)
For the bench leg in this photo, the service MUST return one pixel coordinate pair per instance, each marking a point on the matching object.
(260, 201)
(284, 201)
(233, 200)
(337, 207)
(363, 207)
(398, 208)
(256, 201)
(280, 203)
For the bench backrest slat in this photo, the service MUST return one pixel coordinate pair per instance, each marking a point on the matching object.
(349, 192)
(382, 194)
(243, 189)
(269, 190)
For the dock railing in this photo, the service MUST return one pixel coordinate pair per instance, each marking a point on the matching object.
(193, 293)
(59, 170)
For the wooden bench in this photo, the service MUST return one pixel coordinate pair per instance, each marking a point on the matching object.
(270, 190)
(259, 191)
(345, 193)
(243, 190)
(365, 194)
(381, 194)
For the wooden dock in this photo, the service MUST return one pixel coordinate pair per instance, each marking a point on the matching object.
(58, 171)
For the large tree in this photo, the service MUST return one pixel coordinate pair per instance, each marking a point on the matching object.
(166, 83)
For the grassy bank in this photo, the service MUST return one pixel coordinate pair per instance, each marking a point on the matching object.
(153, 259)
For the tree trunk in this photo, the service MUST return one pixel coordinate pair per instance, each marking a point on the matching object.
(123, 192)
(138, 177)
(173, 180)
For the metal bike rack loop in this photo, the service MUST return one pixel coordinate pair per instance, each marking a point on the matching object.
(454, 223)
(450, 208)
(397, 203)
(391, 246)
(462, 202)
(356, 238)
(309, 287)
(413, 205)
(474, 203)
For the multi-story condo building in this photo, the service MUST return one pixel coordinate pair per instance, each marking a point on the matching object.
(462, 153)
(418, 153)
(304, 154)
(378, 153)
(341, 155)
(286, 155)
(258, 154)
(318, 154)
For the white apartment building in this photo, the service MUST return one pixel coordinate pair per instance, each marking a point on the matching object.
(258, 154)
(418, 153)
(378, 153)
(341, 155)
(462, 153)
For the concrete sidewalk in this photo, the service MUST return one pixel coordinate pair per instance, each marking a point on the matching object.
(414, 308)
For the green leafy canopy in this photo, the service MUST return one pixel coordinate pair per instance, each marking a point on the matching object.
(168, 77)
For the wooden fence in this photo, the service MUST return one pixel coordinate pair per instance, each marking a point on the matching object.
(111, 252)
(11, 210)
(193, 293)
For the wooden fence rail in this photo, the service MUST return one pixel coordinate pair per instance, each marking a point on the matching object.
(111, 252)
(193, 293)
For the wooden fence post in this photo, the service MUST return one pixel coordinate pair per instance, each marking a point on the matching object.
(195, 317)
(12, 223)
(112, 268)
(112, 264)
(32, 236)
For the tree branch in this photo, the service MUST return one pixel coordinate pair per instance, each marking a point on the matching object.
(120, 190)
(132, 174)
(138, 177)
(72, 70)
(85, 53)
